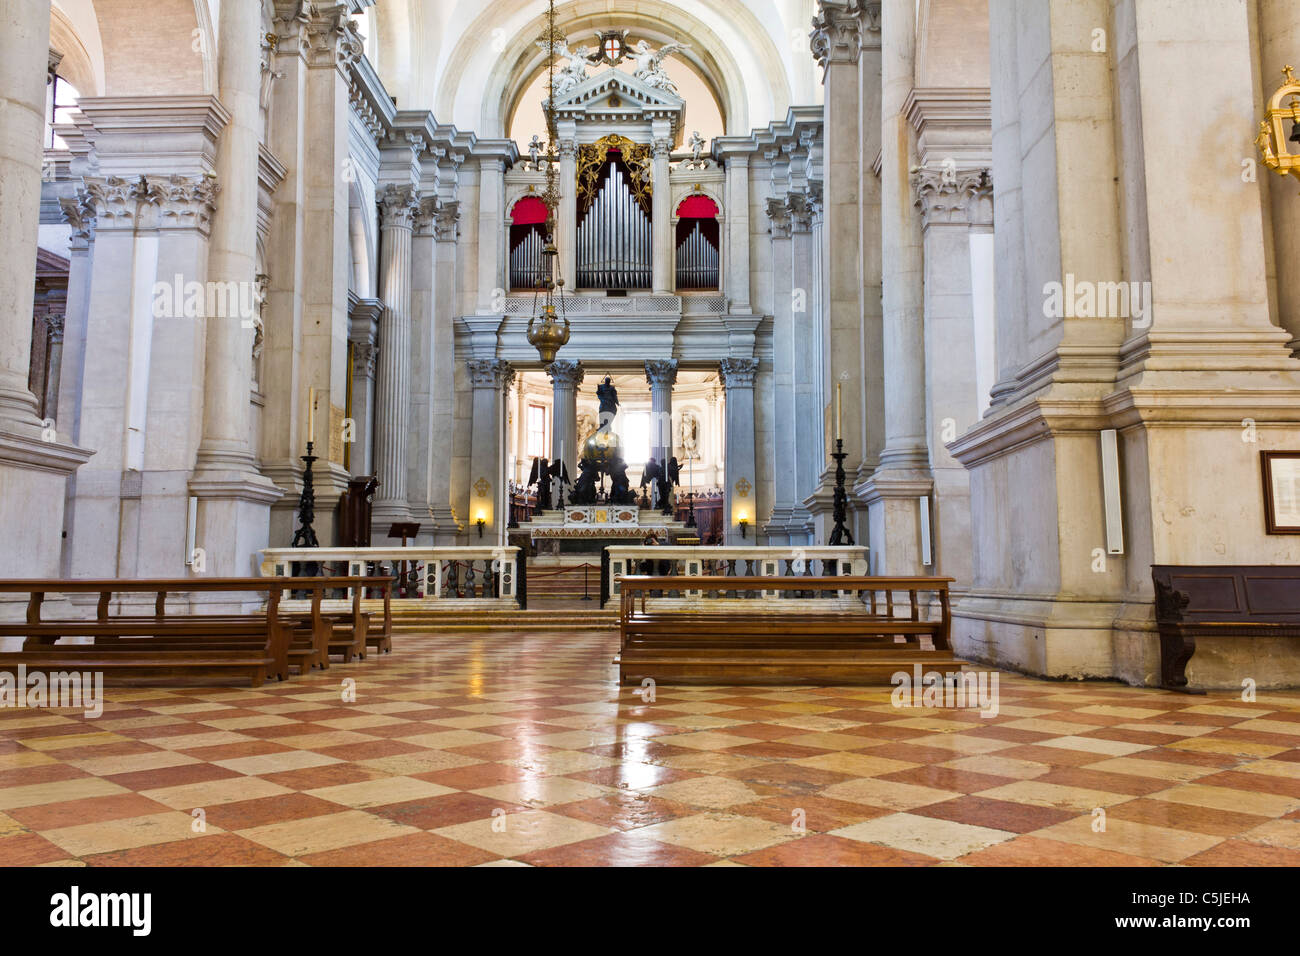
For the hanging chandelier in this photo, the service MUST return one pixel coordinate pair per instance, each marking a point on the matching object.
(548, 331)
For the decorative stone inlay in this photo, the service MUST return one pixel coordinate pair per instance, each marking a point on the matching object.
(482, 487)
(738, 372)
(743, 488)
(566, 373)
(398, 206)
(948, 195)
(661, 372)
(838, 28)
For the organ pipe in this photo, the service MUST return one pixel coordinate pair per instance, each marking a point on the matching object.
(614, 248)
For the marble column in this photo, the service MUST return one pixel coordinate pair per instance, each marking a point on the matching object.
(784, 464)
(446, 525)
(661, 374)
(490, 379)
(894, 491)
(1279, 39)
(846, 41)
(567, 214)
(234, 497)
(566, 375)
(35, 462)
(739, 485)
(661, 219)
(397, 205)
(808, 426)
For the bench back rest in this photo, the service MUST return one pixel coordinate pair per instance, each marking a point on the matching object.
(1226, 593)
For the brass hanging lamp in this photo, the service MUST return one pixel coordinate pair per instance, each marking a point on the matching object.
(548, 331)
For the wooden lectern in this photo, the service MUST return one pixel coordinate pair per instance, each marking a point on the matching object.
(404, 530)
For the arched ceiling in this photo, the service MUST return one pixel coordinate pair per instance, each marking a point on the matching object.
(469, 62)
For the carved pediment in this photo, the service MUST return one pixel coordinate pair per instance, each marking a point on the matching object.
(617, 97)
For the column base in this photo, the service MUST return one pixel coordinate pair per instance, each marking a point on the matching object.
(892, 501)
(234, 521)
(34, 475)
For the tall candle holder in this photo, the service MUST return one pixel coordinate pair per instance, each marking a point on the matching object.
(840, 533)
(305, 536)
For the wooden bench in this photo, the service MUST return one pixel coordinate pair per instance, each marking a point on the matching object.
(1239, 600)
(865, 640)
(256, 645)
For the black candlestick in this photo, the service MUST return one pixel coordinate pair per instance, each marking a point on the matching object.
(840, 534)
(305, 536)
(690, 515)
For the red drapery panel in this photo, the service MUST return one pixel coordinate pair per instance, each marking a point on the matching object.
(696, 207)
(528, 210)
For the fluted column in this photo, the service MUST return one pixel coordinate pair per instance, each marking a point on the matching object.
(784, 338)
(397, 208)
(446, 230)
(567, 225)
(661, 220)
(740, 494)
(24, 55)
(566, 375)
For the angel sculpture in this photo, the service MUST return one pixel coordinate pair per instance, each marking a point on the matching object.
(574, 70)
(535, 147)
(649, 64)
(696, 143)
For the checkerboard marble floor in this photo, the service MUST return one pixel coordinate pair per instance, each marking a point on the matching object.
(520, 749)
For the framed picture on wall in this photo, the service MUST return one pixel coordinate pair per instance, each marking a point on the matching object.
(1281, 491)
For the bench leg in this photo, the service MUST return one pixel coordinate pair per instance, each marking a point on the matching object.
(1176, 649)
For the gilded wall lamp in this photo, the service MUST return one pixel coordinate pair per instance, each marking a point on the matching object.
(1272, 139)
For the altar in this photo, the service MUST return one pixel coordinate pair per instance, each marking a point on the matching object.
(589, 528)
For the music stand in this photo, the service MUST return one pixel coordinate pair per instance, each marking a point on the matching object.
(403, 530)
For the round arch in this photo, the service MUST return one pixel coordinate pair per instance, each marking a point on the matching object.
(758, 85)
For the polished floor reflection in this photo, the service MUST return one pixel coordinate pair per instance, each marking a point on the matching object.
(518, 749)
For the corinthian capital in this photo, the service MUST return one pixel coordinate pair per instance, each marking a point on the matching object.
(779, 212)
(949, 195)
(398, 206)
(321, 32)
(738, 372)
(661, 372)
(566, 373)
(842, 28)
(490, 373)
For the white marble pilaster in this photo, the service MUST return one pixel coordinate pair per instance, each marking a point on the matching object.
(364, 336)
(740, 493)
(661, 219)
(567, 214)
(490, 379)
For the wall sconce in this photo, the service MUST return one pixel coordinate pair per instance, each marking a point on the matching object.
(1272, 139)
(743, 521)
(481, 520)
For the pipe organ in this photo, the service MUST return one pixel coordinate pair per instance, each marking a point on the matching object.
(527, 269)
(614, 244)
(697, 254)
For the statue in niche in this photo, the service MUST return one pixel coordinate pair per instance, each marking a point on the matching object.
(586, 427)
(649, 64)
(535, 147)
(690, 435)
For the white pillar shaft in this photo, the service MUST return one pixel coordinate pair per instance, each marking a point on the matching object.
(738, 233)
(232, 246)
(566, 376)
(392, 410)
(567, 226)
(24, 50)
(903, 332)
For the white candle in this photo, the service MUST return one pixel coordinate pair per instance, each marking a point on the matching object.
(311, 414)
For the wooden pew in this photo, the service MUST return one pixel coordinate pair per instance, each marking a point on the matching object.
(1233, 600)
(761, 640)
(259, 644)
